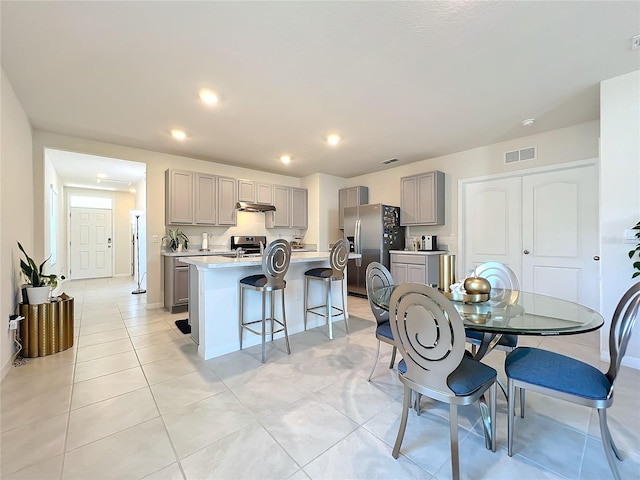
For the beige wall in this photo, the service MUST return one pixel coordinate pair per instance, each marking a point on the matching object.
(578, 142)
(619, 195)
(16, 208)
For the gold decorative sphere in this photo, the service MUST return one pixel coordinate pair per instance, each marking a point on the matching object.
(475, 285)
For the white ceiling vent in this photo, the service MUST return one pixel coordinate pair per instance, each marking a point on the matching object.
(521, 155)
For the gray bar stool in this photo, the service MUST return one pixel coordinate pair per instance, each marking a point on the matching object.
(275, 263)
(338, 260)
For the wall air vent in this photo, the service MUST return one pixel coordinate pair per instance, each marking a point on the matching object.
(521, 155)
(387, 162)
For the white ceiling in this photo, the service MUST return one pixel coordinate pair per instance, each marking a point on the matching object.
(406, 80)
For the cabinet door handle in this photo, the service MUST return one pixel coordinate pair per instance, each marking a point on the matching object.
(596, 258)
(526, 252)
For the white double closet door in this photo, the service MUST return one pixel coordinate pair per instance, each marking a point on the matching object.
(544, 225)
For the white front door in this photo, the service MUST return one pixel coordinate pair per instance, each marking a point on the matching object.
(91, 243)
(543, 225)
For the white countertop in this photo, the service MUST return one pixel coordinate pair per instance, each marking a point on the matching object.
(412, 252)
(198, 253)
(213, 261)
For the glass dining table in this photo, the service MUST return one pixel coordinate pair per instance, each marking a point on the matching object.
(516, 313)
(511, 312)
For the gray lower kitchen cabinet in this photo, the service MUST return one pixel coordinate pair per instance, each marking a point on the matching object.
(351, 197)
(291, 208)
(415, 268)
(422, 199)
(176, 284)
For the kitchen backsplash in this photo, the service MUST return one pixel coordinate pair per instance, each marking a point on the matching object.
(248, 224)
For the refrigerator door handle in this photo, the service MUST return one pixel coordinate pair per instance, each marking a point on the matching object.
(358, 244)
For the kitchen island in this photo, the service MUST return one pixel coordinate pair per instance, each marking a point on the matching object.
(213, 299)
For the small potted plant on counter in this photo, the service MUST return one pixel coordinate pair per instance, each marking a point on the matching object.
(39, 285)
(177, 240)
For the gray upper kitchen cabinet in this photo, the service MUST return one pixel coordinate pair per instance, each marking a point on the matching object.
(250, 191)
(227, 198)
(351, 197)
(194, 198)
(299, 208)
(179, 197)
(246, 191)
(264, 193)
(205, 199)
(291, 208)
(422, 199)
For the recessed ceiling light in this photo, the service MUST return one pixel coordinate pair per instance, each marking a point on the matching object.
(178, 134)
(102, 175)
(333, 139)
(528, 122)
(208, 97)
(285, 159)
(132, 190)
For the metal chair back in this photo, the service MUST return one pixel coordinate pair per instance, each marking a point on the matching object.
(275, 263)
(429, 334)
(622, 323)
(338, 258)
(505, 286)
(377, 276)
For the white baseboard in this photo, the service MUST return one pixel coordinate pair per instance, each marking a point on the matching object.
(627, 361)
(632, 362)
(151, 306)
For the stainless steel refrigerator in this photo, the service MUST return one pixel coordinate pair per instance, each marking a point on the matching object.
(372, 230)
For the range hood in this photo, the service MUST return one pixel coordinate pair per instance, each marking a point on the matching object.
(254, 207)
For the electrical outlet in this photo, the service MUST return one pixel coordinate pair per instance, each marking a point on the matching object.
(13, 321)
(635, 42)
(154, 239)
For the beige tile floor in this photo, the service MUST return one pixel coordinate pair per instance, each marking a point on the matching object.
(133, 400)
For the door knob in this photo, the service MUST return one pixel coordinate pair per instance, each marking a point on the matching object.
(596, 258)
(526, 252)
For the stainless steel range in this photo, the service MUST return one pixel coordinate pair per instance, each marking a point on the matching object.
(249, 244)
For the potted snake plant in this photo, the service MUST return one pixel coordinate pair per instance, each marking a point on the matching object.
(39, 285)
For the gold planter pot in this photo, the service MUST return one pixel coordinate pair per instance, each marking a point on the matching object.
(47, 327)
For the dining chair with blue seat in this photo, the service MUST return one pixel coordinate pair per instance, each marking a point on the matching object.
(275, 263)
(378, 276)
(569, 379)
(430, 336)
(504, 290)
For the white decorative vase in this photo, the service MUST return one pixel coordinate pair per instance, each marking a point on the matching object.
(38, 295)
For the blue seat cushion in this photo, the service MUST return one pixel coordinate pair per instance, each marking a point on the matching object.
(384, 330)
(319, 272)
(510, 341)
(465, 379)
(557, 372)
(255, 280)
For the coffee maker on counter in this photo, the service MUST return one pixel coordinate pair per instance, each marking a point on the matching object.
(428, 243)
